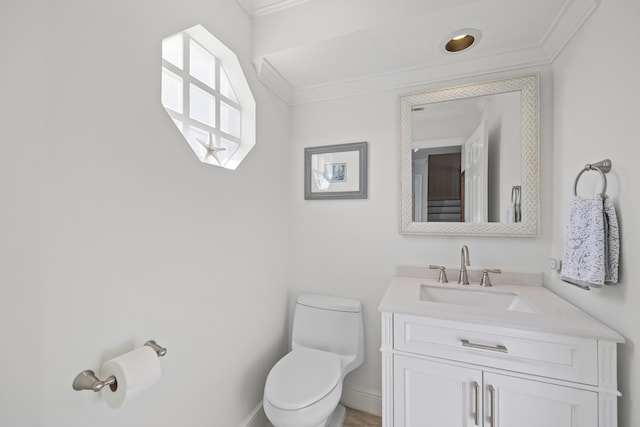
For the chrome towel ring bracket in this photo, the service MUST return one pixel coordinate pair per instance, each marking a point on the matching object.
(602, 167)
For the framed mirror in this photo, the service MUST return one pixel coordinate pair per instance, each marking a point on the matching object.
(469, 159)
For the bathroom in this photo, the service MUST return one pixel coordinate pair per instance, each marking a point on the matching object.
(112, 232)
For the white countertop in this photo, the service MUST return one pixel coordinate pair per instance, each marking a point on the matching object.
(554, 314)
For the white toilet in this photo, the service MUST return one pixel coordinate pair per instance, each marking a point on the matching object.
(304, 388)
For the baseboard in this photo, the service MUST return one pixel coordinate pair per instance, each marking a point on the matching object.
(362, 400)
(352, 397)
(256, 418)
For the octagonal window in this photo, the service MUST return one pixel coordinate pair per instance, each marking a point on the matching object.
(207, 96)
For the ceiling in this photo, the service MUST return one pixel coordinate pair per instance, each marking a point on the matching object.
(307, 50)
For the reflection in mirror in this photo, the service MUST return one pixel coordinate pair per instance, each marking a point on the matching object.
(466, 157)
(470, 159)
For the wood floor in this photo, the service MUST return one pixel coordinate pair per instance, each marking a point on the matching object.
(357, 419)
(361, 419)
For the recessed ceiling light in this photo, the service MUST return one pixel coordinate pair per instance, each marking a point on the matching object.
(460, 40)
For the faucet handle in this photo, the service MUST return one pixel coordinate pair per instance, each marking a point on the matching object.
(486, 281)
(442, 277)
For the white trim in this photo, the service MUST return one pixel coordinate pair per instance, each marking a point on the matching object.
(352, 397)
(570, 19)
(256, 418)
(411, 77)
(257, 8)
(273, 80)
(386, 348)
(362, 400)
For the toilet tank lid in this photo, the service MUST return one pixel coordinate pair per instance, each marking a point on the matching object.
(327, 302)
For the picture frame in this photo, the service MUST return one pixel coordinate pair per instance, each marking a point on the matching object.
(336, 171)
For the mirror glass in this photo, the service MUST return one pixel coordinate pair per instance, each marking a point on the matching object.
(470, 159)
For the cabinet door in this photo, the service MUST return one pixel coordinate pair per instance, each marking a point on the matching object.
(527, 403)
(433, 394)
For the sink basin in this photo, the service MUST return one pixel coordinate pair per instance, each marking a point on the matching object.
(498, 301)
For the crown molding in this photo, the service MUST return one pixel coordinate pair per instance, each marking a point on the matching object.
(568, 22)
(405, 80)
(257, 8)
(273, 80)
(570, 19)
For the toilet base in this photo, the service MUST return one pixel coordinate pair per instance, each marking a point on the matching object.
(337, 417)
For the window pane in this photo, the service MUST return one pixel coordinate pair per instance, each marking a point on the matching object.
(171, 91)
(172, 50)
(202, 64)
(229, 119)
(230, 148)
(199, 141)
(199, 135)
(202, 106)
(225, 86)
(206, 95)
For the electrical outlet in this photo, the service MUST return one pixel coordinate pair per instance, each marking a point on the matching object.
(555, 264)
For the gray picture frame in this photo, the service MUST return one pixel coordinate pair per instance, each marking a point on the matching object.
(335, 171)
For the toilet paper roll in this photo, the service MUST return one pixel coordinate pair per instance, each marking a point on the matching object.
(135, 372)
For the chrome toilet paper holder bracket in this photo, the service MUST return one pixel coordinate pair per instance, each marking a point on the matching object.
(88, 380)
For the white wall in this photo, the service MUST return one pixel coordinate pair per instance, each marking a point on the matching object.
(112, 232)
(21, 301)
(351, 247)
(596, 92)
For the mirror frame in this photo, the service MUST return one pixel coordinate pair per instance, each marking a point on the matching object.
(528, 86)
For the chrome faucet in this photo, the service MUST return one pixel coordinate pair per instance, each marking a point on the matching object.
(463, 279)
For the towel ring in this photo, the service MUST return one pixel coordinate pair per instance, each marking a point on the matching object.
(602, 167)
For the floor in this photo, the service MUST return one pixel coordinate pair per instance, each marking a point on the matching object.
(361, 419)
(357, 419)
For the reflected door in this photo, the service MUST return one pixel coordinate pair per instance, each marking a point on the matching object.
(476, 150)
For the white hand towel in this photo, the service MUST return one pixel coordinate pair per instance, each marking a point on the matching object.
(592, 243)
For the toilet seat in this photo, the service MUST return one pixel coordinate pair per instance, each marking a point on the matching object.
(302, 378)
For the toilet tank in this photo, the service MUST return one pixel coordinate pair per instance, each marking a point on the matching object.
(331, 324)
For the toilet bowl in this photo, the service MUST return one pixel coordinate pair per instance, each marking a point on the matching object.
(304, 388)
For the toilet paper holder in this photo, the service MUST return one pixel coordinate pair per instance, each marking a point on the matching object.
(88, 380)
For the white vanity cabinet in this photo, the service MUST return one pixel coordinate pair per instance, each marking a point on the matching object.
(514, 401)
(436, 394)
(512, 370)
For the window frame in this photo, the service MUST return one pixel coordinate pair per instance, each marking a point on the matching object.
(225, 61)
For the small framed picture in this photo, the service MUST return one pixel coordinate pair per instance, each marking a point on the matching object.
(336, 171)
